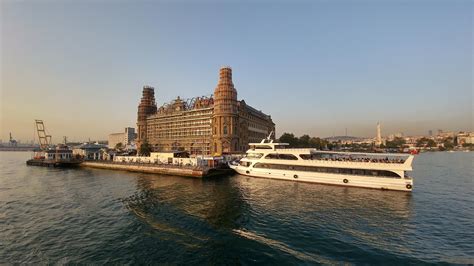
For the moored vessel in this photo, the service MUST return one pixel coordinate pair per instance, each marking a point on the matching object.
(369, 170)
(60, 156)
(49, 155)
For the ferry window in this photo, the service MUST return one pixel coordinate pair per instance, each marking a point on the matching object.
(260, 165)
(301, 168)
(358, 172)
(272, 156)
(345, 171)
(246, 164)
(263, 147)
(281, 156)
(334, 170)
(254, 155)
(330, 170)
(371, 172)
(388, 174)
(305, 156)
(287, 157)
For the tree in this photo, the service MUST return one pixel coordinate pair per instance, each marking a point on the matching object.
(317, 143)
(119, 146)
(289, 138)
(396, 143)
(303, 141)
(431, 143)
(145, 149)
(448, 143)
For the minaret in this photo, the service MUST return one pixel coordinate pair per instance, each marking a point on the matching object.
(146, 107)
(226, 114)
(378, 139)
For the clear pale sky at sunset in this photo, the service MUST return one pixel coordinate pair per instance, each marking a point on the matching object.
(317, 67)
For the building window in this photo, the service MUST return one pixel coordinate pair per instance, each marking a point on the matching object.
(225, 130)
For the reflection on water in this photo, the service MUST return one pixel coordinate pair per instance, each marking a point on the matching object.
(89, 215)
(194, 211)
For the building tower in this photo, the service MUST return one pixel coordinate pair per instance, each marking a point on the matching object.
(146, 107)
(226, 114)
(378, 139)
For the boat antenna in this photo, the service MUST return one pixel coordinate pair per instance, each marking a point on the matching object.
(270, 135)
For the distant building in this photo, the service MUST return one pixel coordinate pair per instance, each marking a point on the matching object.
(126, 138)
(446, 134)
(378, 138)
(214, 125)
(90, 151)
(465, 138)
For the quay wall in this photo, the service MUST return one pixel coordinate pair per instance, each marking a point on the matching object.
(146, 168)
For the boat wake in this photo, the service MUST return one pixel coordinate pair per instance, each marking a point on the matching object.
(281, 247)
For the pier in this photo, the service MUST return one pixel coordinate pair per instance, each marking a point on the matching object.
(189, 171)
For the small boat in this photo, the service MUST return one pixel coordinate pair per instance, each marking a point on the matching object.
(368, 170)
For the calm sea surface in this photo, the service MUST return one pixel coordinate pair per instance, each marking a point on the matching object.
(100, 216)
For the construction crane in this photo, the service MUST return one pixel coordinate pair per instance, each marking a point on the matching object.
(12, 142)
(44, 140)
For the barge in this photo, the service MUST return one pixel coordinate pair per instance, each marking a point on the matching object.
(61, 156)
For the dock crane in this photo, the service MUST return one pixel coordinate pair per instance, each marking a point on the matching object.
(44, 140)
(12, 142)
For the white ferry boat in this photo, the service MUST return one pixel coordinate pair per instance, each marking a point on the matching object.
(369, 170)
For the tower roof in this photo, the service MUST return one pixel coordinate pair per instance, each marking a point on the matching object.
(225, 83)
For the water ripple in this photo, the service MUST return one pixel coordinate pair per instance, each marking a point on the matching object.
(85, 216)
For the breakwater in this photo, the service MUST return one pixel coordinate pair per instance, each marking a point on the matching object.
(190, 171)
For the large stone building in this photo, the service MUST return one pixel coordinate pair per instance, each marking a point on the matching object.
(214, 125)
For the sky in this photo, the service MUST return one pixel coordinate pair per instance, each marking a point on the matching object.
(317, 67)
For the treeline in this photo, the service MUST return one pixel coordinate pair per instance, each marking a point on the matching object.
(305, 141)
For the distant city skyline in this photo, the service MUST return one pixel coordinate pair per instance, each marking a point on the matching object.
(60, 139)
(317, 68)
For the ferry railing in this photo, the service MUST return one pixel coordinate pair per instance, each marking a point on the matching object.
(364, 161)
(162, 165)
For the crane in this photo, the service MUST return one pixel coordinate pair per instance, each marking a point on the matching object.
(44, 140)
(12, 141)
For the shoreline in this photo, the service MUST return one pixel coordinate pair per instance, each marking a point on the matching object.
(196, 172)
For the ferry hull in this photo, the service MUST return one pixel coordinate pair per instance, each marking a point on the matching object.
(399, 184)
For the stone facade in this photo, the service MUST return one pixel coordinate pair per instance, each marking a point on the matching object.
(215, 125)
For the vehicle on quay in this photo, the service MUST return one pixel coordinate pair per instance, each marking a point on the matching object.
(386, 171)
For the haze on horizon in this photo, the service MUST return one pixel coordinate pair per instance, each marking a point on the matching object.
(316, 67)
